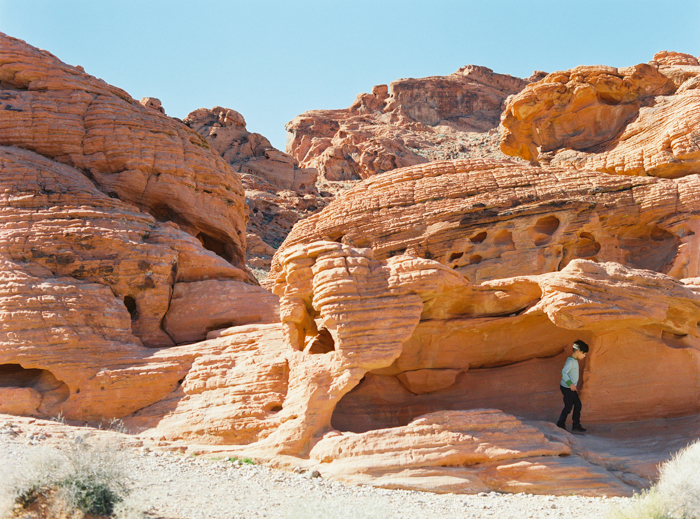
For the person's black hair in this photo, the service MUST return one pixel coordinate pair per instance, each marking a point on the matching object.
(581, 346)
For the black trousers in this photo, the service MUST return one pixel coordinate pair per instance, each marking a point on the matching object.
(571, 400)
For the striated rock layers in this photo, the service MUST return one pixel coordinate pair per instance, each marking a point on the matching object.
(417, 324)
(489, 220)
(121, 231)
(261, 166)
(640, 120)
(133, 153)
(384, 348)
(410, 122)
(278, 192)
(524, 261)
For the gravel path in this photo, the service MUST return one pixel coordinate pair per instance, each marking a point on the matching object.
(176, 486)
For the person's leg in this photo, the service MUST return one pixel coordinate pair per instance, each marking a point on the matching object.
(568, 404)
(577, 409)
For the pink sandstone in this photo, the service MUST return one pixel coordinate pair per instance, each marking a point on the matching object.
(410, 122)
(134, 153)
(403, 313)
(639, 120)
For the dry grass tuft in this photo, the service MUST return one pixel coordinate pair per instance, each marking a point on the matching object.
(76, 481)
(675, 496)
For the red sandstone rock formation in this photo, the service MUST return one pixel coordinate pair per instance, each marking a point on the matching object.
(336, 364)
(88, 268)
(639, 120)
(153, 104)
(133, 153)
(492, 337)
(278, 192)
(411, 122)
(452, 283)
(495, 219)
(261, 166)
(463, 452)
(519, 234)
(516, 329)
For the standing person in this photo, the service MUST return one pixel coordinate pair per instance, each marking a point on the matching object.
(569, 379)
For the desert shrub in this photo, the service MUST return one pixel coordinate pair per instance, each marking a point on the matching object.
(90, 496)
(33, 480)
(88, 478)
(94, 480)
(675, 496)
(679, 483)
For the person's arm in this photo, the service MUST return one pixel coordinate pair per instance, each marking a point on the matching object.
(566, 373)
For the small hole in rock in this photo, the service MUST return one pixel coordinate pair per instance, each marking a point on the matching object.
(478, 238)
(321, 343)
(216, 246)
(130, 304)
(473, 260)
(547, 225)
(503, 237)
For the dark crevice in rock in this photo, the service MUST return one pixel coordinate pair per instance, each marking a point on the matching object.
(321, 343)
(30, 391)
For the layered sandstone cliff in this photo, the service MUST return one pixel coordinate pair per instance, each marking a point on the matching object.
(135, 154)
(120, 231)
(640, 120)
(410, 122)
(495, 219)
(509, 242)
(278, 192)
(403, 315)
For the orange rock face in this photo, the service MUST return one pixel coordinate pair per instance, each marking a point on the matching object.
(93, 279)
(203, 306)
(231, 392)
(132, 152)
(463, 452)
(494, 219)
(514, 330)
(278, 192)
(251, 154)
(471, 338)
(410, 122)
(639, 120)
(458, 345)
(418, 324)
(517, 235)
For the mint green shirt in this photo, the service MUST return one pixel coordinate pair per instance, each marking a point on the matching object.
(569, 373)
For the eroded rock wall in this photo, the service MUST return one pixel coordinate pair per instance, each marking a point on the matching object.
(403, 316)
(639, 120)
(410, 122)
(512, 317)
(494, 219)
(278, 192)
(498, 344)
(131, 152)
(96, 278)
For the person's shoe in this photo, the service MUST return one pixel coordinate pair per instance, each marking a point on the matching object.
(561, 425)
(578, 428)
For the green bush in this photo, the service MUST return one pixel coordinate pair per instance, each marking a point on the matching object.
(91, 497)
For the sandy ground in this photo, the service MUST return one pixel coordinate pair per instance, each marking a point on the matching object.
(167, 483)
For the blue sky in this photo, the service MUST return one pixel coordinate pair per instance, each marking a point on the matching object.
(272, 60)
